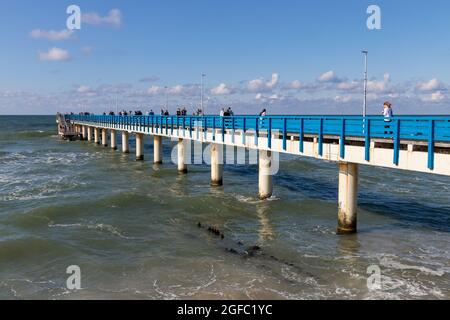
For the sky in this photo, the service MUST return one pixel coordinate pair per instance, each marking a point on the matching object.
(288, 56)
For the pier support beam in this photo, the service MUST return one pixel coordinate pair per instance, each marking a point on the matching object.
(216, 164)
(139, 147)
(125, 142)
(84, 133)
(97, 135)
(113, 139)
(157, 149)
(348, 197)
(89, 134)
(104, 137)
(182, 167)
(265, 174)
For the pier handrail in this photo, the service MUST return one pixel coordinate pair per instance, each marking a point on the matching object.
(430, 129)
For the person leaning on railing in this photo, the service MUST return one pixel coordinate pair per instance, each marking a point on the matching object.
(388, 114)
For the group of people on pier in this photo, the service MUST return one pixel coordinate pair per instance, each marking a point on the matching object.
(224, 112)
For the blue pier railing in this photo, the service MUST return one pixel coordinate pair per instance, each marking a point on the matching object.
(429, 129)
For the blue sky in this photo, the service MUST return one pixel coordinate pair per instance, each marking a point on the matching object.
(288, 56)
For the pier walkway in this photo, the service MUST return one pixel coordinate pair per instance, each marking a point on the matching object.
(416, 143)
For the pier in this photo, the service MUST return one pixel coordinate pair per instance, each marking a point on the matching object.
(415, 143)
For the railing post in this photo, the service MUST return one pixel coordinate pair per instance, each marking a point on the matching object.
(223, 129)
(342, 142)
(301, 135)
(269, 134)
(243, 130)
(167, 125)
(397, 142)
(256, 131)
(214, 129)
(232, 128)
(321, 137)
(367, 140)
(153, 124)
(284, 133)
(431, 146)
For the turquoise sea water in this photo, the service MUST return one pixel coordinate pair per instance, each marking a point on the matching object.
(132, 227)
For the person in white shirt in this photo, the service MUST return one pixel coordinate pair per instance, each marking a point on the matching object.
(387, 114)
(387, 111)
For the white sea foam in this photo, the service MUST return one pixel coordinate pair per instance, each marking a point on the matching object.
(389, 262)
(93, 226)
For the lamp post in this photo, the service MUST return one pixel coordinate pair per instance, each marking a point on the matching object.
(167, 98)
(365, 52)
(201, 94)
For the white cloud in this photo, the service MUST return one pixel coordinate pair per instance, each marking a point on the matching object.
(86, 91)
(261, 85)
(178, 90)
(379, 86)
(343, 99)
(296, 84)
(329, 76)
(64, 34)
(255, 85)
(274, 81)
(349, 86)
(431, 85)
(436, 96)
(275, 97)
(259, 96)
(221, 89)
(83, 89)
(54, 54)
(114, 18)
(154, 90)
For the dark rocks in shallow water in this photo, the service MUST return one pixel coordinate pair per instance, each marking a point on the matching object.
(214, 230)
(252, 250)
(231, 250)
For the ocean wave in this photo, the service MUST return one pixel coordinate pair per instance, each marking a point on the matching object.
(93, 226)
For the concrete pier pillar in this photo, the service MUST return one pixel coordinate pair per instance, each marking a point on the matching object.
(139, 147)
(265, 176)
(182, 167)
(125, 142)
(157, 150)
(84, 132)
(89, 134)
(113, 139)
(348, 197)
(216, 164)
(104, 137)
(97, 135)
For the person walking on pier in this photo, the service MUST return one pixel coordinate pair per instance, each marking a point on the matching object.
(263, 113)
(387, 114)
